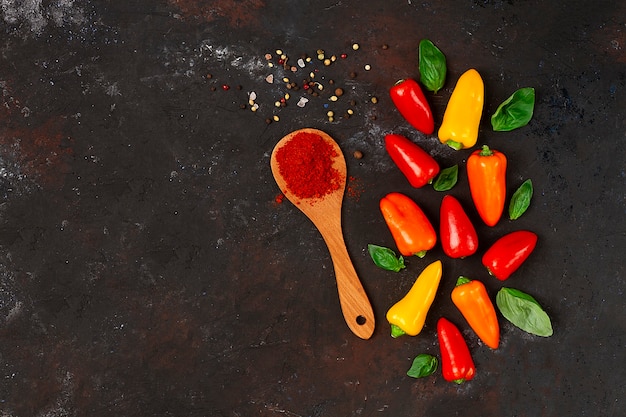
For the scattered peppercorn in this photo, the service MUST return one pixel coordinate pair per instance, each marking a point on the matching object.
(357, 154)
(315, 88)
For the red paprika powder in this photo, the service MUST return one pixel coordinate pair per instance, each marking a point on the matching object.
(306, 164)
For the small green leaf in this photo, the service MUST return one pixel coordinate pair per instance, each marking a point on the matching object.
(447, 178)
(516, 111)
(423, 365)
(523, 311)
(520, 200)
(385, 258)
(432, 66)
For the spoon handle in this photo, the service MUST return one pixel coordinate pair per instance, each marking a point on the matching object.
(355, 305)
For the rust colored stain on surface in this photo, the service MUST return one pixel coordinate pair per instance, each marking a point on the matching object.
(42, 153)
(237, 13)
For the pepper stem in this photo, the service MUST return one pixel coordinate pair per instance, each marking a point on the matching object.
(420, 254)
(486, 151)
(457, 146)
(396, 331)
(462, 280)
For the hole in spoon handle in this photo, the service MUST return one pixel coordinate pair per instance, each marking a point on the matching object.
(359, 316)
(355, 305)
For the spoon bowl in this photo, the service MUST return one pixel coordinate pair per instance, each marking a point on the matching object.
(325, 213)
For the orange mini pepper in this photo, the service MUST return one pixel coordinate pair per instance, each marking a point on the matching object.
(409, 226)
(486, 173)
(472, 300)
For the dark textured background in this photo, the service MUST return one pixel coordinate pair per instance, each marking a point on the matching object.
(147, 270)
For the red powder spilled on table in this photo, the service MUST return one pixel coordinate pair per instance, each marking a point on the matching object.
(279, 198)
(306, 164)
(354, 188)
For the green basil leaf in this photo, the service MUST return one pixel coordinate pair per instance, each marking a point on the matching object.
(520, 200)
(514, 112)
(432, 66)
(520, 294)
(447, 178)
(423, 365)
(385, 258)
(523, 311)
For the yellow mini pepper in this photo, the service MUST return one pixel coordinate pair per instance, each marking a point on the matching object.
(408, 315)
(461, 119)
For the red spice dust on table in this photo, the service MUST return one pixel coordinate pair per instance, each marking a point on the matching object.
(306, 164)
(279, 198)
(355, 188)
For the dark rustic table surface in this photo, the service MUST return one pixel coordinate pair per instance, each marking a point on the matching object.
(150, 268)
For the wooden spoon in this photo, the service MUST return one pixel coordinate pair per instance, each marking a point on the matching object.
(325, 213)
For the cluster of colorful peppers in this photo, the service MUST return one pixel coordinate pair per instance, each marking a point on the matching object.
(414, 234)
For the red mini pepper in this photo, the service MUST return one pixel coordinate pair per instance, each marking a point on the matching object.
(486, 173)
(415, 163)
(509, 252)
(409, 226)
(458, 235)
(412, 104)
(457, 364)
